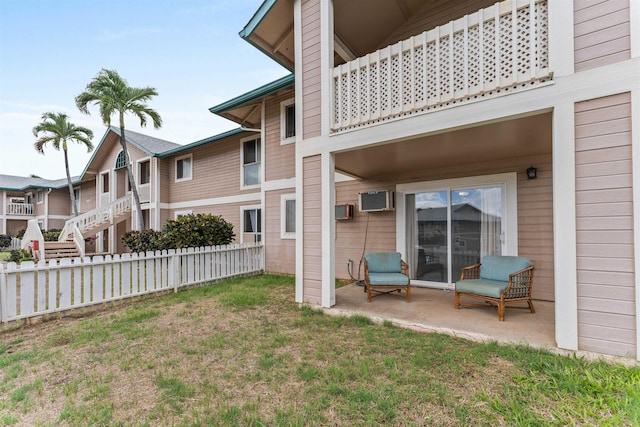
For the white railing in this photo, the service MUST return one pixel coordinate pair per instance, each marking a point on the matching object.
(71, 230)
(31, 235)
(102, 214)
(502, 46)
(20, 209)
(30, 289)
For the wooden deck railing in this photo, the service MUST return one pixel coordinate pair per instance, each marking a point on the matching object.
(471, 58)
(25, 209)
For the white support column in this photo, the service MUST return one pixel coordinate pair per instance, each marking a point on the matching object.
(297, 31)
(327, 171)
(634, 24)
(3, 230)
(155, 195)
(635, 151)
(564, 226)
(561, 46)
(326, 64)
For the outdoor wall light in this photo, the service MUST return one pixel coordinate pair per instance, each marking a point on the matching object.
(532, 173)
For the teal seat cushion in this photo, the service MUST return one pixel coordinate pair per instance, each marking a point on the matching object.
(500, 267)
(384, 262)
(484, 287)
(390, 279)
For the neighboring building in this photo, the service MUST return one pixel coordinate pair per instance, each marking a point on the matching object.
(445, 109)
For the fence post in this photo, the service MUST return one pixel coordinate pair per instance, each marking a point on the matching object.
(3, 295)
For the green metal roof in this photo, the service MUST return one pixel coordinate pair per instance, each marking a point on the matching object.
(255, 94)
(257, 17)
(208, 140)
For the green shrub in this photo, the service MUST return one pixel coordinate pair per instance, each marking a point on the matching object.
(192, 231)
(51, 235)
(188, 231)
(5, 240)
(143, 241)
(19, 255)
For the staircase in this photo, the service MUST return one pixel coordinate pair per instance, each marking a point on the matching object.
(64, 249)
(102, 217)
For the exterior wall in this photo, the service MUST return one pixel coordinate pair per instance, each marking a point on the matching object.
(604, 222)
(312, 216)
(87, 196)
(16, 225)
(435, 13)
(311, 93)
(280, 254)
(215, 173)
(59, 203)
(279, 159)
(230, 212)
(601, 33)
(535, 217)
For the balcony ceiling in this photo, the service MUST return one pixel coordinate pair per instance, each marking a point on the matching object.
(517, 138)
(361, 27)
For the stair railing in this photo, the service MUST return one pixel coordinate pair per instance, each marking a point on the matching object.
(32, 235)
(71, 230)
(102, 214)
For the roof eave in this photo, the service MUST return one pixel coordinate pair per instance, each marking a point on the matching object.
(201, 142)
(254, 95)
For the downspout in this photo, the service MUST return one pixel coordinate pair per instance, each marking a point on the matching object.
(4, 212)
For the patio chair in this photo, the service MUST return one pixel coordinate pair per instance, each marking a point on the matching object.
(500, 280)
(385, 272)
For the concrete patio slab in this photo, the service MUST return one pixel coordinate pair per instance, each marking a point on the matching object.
(432, 310)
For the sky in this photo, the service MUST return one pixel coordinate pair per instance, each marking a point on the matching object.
(188, 50)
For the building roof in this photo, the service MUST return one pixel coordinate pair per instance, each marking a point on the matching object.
(255, 94)
(20, 183)
(150, 145)
(204, 141)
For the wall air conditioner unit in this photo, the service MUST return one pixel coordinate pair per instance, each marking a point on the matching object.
(344, 212)
(377, 201)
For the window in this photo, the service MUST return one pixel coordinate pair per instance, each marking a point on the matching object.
(251, 225)
(120, 161)
(288, 216)
(251, 162)
(178, 214)
(144, 172)
(39, 196)
(105, 182)
(288, 121)
(183, 168)
(76, 197)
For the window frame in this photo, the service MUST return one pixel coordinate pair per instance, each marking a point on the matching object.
(39, 197)
(178, 214)
(177, 159)
(243, 141)
(284, 234)
(284, 105)
(140, 163)
(78, 199)
(244, 209)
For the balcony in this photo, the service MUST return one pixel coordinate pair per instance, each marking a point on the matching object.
(489, 53)
(20, 209)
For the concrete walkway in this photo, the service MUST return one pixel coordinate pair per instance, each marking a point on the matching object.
(432, 310)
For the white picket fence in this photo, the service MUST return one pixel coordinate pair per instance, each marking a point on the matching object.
(29, 290)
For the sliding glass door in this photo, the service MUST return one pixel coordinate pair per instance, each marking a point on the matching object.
(451, 227)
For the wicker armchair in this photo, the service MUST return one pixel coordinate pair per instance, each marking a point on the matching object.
(385, 272)
(500, 280)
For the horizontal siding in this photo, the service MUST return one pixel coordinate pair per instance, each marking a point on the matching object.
(280, 254)
(280, 160)
(216, 172)
(312, 215)
(601, 33)
(604, 226)
(311, 96)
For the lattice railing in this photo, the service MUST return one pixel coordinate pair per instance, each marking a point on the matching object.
(502, 46)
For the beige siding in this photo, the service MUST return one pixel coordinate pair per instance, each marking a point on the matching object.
(535, 217)
(59, 203)
(602, 32)
(280, 254)
(279, 159)
(87, 196)
(216, 172)
(604, 226)
(311, 96)
(433, 14)
(165, 181)
(312, 214)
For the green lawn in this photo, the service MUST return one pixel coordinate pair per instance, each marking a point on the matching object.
(4, 255)
(241, 352)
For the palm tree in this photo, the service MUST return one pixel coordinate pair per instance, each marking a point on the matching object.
(57, 129)
(114, 95)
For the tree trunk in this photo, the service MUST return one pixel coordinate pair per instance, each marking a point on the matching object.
(134, 189)
(71, 195)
